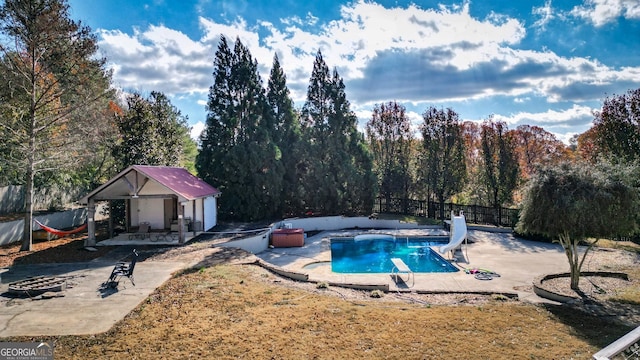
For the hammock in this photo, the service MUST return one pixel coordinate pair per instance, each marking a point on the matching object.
(60, 233)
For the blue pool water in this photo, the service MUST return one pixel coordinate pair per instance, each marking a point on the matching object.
(374, 255)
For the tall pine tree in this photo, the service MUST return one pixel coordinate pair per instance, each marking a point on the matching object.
(238, 154)
(338, 177)
(286, 135)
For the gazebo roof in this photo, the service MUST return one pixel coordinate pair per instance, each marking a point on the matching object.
(130, 183)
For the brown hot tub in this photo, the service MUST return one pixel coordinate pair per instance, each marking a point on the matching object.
(287, 237)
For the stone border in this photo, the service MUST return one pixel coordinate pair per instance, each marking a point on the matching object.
(305, 278)
(293, 275)
(540, 290)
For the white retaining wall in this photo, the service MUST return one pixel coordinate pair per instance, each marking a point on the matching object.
(13, 231)
(253, 244)
(260, 242)
(341, 222)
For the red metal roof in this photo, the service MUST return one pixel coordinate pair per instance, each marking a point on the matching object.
(178, 180)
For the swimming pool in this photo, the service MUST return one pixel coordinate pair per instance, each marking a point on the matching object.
(373, 254)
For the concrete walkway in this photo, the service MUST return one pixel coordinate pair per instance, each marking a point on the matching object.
(83, 309)
(517, 261)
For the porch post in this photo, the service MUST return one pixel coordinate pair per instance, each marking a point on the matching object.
(110, 219)
(193, 221)
(91, 225)
(180, 224)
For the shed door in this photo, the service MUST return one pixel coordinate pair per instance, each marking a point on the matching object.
(170, 212)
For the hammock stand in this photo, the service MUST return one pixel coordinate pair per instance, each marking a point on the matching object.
(60, 233)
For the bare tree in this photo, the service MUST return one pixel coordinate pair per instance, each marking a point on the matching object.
(51, 77)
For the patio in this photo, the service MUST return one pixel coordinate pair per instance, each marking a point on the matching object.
(151, 238)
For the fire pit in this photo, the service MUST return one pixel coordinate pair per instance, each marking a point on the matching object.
(38, 285)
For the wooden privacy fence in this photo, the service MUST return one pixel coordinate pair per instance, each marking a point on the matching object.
(475, 214)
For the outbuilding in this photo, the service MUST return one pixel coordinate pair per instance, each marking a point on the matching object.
(166, 199)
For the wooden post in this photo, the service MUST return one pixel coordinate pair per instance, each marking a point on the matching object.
(110, 219)
(180, 223)
(91, 225)
(193, 216)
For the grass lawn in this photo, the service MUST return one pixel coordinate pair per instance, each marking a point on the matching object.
(241, 311)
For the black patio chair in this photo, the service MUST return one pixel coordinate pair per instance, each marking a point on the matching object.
(122, 269)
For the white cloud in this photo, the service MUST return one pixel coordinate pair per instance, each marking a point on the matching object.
(412, 55)
(196, 130)
(558, 122)
(550, 117)
(154, 59)
(545, 15)
(601, 12)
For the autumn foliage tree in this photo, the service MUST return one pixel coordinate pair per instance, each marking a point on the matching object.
(443, 146)
(500, 163)
(390, 140)
(537, 147)
(617, 127)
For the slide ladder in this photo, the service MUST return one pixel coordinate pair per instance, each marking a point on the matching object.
(457, 233)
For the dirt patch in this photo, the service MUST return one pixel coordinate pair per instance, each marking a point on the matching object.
(68, 249)
(64, 250)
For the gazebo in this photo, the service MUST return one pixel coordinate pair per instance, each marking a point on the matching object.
(162, 197)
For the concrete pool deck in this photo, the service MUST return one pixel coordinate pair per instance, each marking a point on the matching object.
(517, 261)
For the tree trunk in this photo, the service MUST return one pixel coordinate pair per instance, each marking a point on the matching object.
(27, 236)
(571, 250)
(575, 277)
(441, 202)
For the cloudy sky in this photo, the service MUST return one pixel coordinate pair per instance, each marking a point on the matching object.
(541, 62)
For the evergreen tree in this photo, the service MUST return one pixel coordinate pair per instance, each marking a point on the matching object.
(217, 137)
(339, 177)
(319, 184)
(151, 132)
(286, 135)
(444, 154)
(238, 155)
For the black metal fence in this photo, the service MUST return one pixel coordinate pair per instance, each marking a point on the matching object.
(475, 214)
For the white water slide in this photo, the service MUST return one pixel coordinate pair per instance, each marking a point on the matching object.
(457, 233)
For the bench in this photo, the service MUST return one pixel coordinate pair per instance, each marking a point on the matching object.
(399, 267)
(121, 269)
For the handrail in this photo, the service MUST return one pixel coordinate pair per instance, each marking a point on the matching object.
(629, 344)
